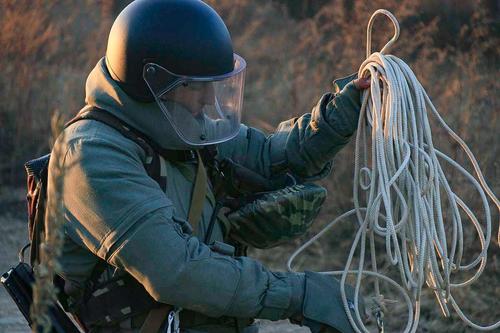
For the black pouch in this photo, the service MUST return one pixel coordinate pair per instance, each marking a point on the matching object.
(19, 284)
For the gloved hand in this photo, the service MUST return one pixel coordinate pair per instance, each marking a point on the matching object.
(342, 108)
(323, 309)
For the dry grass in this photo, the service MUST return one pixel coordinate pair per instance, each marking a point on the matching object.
(48, 47)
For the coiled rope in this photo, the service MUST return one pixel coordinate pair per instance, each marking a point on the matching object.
(400, 192)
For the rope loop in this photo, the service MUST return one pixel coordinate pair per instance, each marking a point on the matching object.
(394, 38)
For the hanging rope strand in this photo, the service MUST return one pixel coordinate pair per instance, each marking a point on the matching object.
(400, 191)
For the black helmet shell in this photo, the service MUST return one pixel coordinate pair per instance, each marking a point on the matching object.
(186, 37)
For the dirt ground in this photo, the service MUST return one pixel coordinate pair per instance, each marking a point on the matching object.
(13, 235)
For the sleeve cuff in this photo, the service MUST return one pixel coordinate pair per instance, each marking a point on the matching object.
(342, 112)
(284, 298)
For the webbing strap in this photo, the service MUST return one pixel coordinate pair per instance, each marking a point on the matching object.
(198, 195)
(155, 319)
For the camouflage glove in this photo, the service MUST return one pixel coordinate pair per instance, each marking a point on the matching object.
(276, 217)
(323, 310)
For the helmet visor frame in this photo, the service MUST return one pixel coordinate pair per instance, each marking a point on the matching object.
(202, 110)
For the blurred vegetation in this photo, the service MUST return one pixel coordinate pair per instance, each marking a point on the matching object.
(294, 49)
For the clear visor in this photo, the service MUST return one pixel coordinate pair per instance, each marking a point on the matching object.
(202, 110)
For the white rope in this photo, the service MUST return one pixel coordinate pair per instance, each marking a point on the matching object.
(400, 190)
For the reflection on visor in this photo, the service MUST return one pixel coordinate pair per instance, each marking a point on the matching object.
(202, 110)
(219, 110)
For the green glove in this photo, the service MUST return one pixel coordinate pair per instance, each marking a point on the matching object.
(323, 310)
(342, 110)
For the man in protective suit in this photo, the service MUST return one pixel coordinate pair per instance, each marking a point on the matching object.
(145, 255)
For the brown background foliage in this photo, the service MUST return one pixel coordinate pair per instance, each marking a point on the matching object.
(294, 50)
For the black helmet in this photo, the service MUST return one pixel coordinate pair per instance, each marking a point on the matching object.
(185, 37)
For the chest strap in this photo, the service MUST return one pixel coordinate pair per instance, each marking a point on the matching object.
(198, 195)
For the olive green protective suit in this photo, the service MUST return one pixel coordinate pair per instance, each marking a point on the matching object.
(115, 211)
